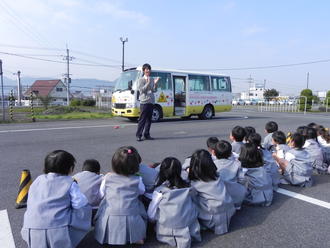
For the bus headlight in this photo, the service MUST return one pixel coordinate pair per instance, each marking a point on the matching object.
(130, 105)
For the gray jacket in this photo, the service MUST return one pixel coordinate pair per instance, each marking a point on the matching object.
(146, 91)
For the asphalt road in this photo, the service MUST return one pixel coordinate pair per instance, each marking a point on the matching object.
(288, 222)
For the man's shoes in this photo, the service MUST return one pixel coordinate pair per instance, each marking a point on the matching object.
(139, 139)
(148, 137)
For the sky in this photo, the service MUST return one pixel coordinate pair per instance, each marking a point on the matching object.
(236, 38)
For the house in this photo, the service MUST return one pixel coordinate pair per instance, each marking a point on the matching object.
(55, 89)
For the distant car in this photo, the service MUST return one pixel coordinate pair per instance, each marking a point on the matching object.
(237, 102)
(271, 102)
(260, 101)
(248, 102)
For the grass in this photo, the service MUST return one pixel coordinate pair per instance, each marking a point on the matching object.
(75, 116)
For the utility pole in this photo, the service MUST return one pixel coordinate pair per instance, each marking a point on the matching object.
(307, 79)
(2, 94)
(250, 82)
(19, 88)
(123, 40)
(67, 75)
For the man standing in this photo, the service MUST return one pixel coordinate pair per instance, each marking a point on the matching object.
(146, 87)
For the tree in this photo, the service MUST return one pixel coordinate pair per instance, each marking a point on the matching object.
(309, 96)
(327, 98)
(271, 93)
(45, 100)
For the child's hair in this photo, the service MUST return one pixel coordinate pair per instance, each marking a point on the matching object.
(211, 142)
(249, 130)
(238, 133)
(323, 133)
(170, 170)
(298, 140)
(279, 137)
(302, 130)
(91, 165)
(311, 133)
(223, 149)
(254, 138)
(60, 162)
(312, 125)
(250, 156)
(271, 126)
(202, 167)
(126, 161)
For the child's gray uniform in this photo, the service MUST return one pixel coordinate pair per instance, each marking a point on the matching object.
(271, 168)
(176, 217)
(89, 184)
(214, 204)
(316, 153)
(149, 177)
(49, 220)
(299, 170)
(236, 147)
(259, 186)
(121, 217)
(267, 144)
(229, 171)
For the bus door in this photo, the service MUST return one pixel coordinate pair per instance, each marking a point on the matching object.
(179, 88)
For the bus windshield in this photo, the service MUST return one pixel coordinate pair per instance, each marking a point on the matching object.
(124, 79)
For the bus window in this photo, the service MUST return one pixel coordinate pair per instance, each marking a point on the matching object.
(164, 82)
(199, 83)
(220, 84)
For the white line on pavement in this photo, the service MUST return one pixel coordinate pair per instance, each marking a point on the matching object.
(61, 128)
(304, 198)
(6, 235)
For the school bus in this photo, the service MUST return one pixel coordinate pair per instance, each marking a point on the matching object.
(179, 94)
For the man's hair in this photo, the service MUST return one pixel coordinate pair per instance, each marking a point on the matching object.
(146, 66)
(271, 127)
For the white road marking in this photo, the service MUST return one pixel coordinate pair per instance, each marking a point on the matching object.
(62, 128)
(304, 198)
(6, 235)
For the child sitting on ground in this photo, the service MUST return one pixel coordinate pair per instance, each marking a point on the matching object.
(270, 127)
(315, 151)
(211, 143)
(279, 141)
(214, 204)
(248, 131)
(296, 166)
(269, 162)
(89, 181)
(172, 207)
(57, 214)
(121, 217)
(237, 136)
(229, 170)
(256, 179)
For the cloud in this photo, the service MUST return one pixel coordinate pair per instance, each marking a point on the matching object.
(229, 6)
(120, 13)
(252, 30)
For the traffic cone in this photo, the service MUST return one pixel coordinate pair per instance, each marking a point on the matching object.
(24, 186)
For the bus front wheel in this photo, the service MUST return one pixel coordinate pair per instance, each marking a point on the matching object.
(207, 113)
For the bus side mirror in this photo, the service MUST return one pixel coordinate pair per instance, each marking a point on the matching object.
(132, 92)
(130, 83)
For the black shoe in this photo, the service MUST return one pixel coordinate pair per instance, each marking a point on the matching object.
(148, 137)
(139, 139)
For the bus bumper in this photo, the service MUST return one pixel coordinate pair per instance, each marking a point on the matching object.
(129, 112)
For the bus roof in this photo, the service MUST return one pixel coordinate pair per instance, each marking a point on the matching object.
(139, 68)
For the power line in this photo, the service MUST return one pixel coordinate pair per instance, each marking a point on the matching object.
(30, 47)
(264, 67)
(23, 23)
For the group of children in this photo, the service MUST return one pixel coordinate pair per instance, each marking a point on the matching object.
(179, 199)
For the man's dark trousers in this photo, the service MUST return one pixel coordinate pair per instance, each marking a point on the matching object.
(145, 120)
